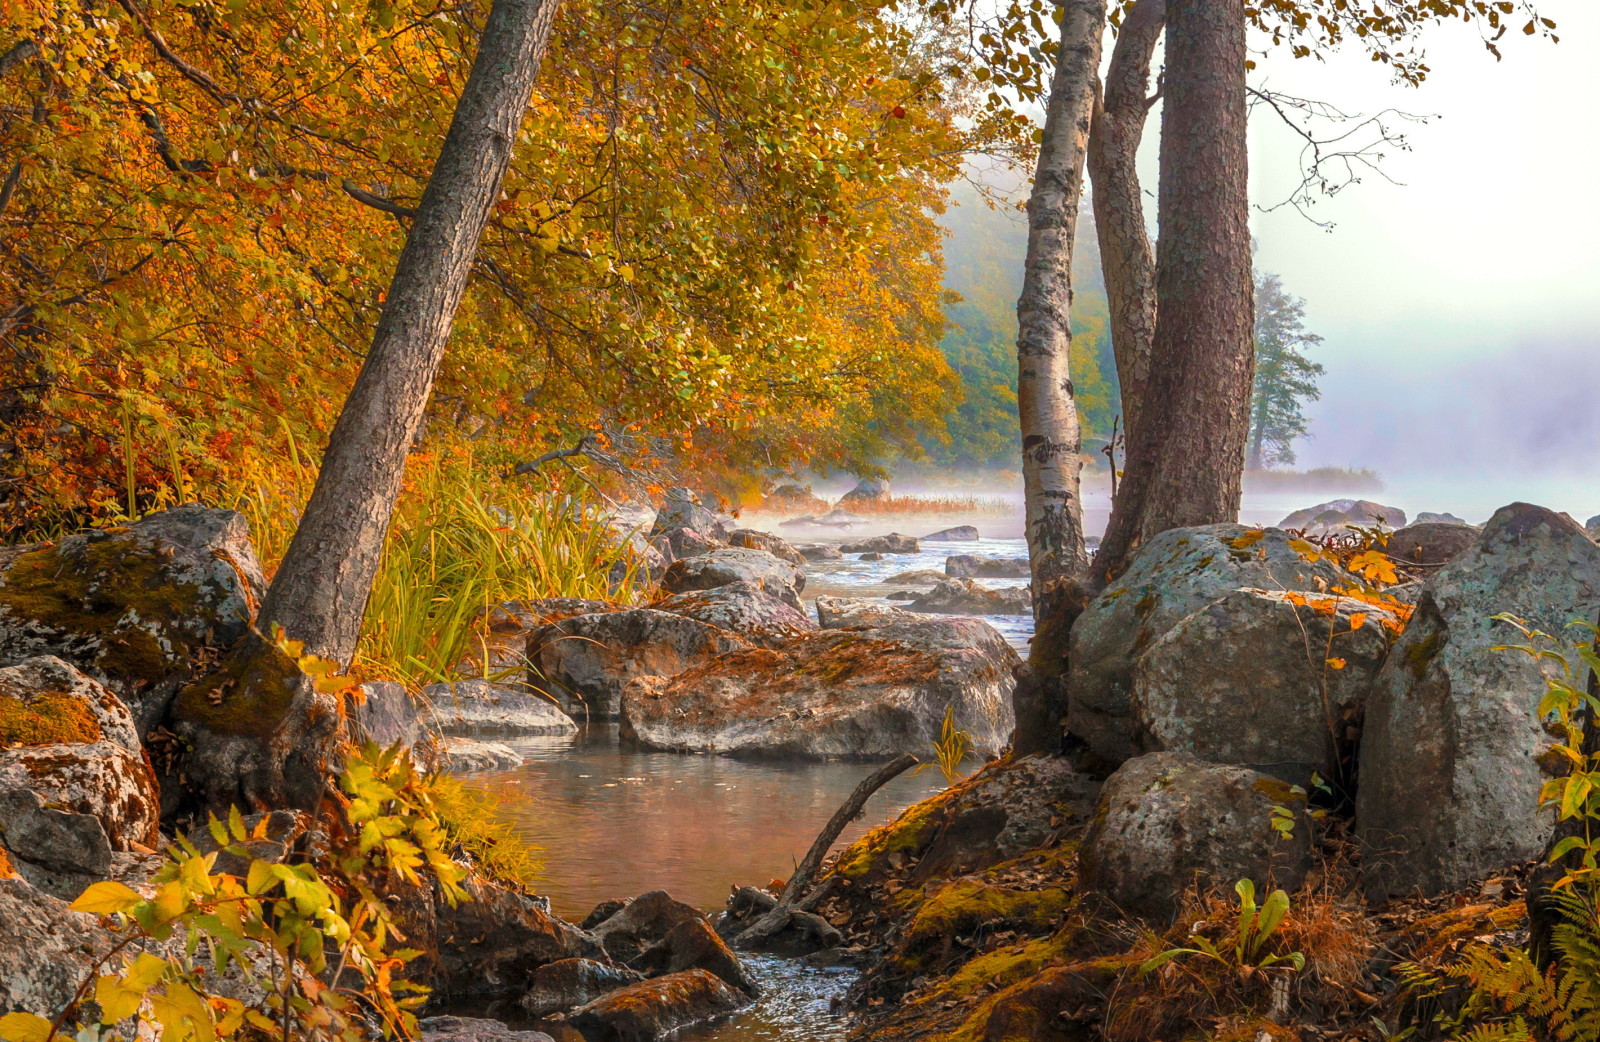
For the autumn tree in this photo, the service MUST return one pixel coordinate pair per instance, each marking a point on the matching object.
(1285, 378)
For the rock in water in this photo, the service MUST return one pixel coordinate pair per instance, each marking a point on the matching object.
(560, 986)
(1271, 679)
(466, 755)
(1450, 772)
(821, 553)
(642, 923)
(856, 692)
(965, 597)
(583, 662)
(742, 608)
(1428, 545)
(73, 742)
(474, 1029)
(958, 534)
(867, 490)
(979, 566)
(1342, 514)
(893, 543)
(1172, 576)
(134, 607)
(918, 576)
(1167, 822)
(694, 945)
(840, 613)
(721, 567)
(652, 1009)
(477, 707)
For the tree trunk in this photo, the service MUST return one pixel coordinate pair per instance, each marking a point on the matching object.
(1186, 458)
(1126, 257)
(1048, 414)
(319, 594)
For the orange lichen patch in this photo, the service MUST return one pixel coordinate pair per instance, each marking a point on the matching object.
(46, 719)
(7, 870)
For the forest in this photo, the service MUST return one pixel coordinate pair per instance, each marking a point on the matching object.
(424, 614)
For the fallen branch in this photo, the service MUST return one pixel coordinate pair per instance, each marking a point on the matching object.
(788, 908)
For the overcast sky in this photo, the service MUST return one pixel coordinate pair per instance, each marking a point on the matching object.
(1461, 308)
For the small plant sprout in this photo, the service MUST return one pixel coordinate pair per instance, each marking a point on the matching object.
(1246, 951)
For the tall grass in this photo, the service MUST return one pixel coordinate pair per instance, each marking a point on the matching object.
(981, 506)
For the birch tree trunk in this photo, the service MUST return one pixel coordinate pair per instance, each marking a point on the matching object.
(1126, 257)
(1048, 413)
(319, 594)
(1186, 458)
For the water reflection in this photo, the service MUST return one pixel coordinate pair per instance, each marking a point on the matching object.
(615, 821)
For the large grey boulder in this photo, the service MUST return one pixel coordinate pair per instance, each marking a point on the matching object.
(1339, 515)
(859, 692)
(682, 509)
(69, 739)
(1425, 545)
(478, 707)
(1172, 576)
(58, 851)
(965, 597)
(1168, 822)
(583, 662)
(137, 608)
(893, 543)
(867, 490)
(385, 715)
(981, 566)
(675, 544)
(1450, 759)
(779, 578)
(742, 608)
(1268, 678)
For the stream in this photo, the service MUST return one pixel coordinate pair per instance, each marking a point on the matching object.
(617, 821)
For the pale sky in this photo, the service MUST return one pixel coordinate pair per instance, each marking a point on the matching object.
(1461, 309)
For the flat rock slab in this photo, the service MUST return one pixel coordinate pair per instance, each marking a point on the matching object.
(479, 707)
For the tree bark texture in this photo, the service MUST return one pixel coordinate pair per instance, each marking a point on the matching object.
(1186, 458)
(320, 592)
(1047, 411)
(1126, 256)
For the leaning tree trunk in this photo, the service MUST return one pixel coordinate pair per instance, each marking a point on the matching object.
(261, 735)
(1185, 462)
(1048, 414)
(1126, 257)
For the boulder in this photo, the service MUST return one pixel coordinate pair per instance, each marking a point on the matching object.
(1274, 680)
(867, 490)
(1168, 821)
(137, 608)
(694, 945)
(721, 567)
(652, 1009)
(642, 923)
(583, 662)
(979, 566)
(821, 553)
(742, 608)
(601, 912)
(474, 1029)
(1172, 576)
(859, 692)
(476, 707)
(560, 986)
(682, 509)
(841, 612)
(1451, 755)
(871, 555)
(792, 498)
(456, 755)
(1429, 517)
(68, 738)
(958, 534)
(675, 544)
(509, 624)
(1341, 514)
(904, 595)
(1425, 545)
(57, 851)
(777, 546)
(917, 576)
(965, 597)
(893, 543)
(385, 714)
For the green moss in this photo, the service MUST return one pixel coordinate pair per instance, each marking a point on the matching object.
(1421, 654)
(1000, 968)
(906, 834)
(112, 592)
(248, 695)
(46, 720)
(965, 904)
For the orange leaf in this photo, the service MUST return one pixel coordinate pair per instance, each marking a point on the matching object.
(1336, 663)
(1357, 619)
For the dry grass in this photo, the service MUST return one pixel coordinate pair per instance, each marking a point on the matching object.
(977, 506)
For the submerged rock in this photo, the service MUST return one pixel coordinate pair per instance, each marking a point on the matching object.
(1172, 576)
(781, 579)
(958, 534)
(1271, 679)
(1451, 756)
(979, 566)
(655, 1008)
(893, 543)
(855, 692)
(1342, 514)
(1168, 821)
(456, 755)
(583, 662)
(137, 607)
(69, 739)
(560, 986)
(965, 597)
(821, 553)
(742, 608)
(475, 707)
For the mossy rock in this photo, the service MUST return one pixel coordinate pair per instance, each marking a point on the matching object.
(137, 607)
